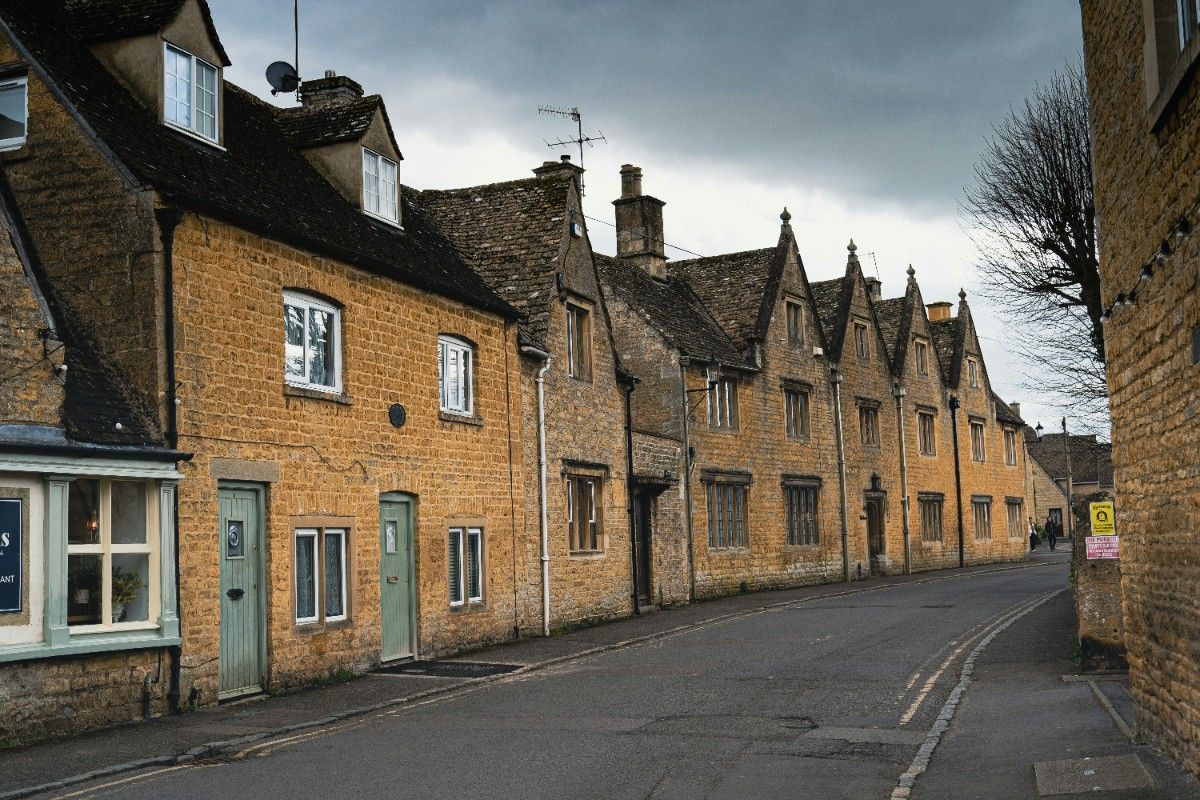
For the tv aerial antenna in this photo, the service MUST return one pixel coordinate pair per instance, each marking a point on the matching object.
(580, 140)
(282, 76)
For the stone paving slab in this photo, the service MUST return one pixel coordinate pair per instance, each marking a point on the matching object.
(1100, 774)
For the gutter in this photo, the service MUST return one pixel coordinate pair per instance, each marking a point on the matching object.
(835, 376)
(957, 478)
(168, 221)
(543, 518)
(899, 392)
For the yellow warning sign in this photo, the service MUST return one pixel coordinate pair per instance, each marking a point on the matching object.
(1104, 519)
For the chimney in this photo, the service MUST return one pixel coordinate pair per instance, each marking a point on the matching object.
(640, 225)
(554, 167)
(874, 289)
(332, 90)
(938, 312)
(1016, 407)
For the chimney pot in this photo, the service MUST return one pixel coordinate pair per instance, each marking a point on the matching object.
(1016, 407)
(565, 158)
(330, 73)
(631, 180)
(875, 289)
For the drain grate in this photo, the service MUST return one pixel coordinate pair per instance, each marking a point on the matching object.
(449, 669)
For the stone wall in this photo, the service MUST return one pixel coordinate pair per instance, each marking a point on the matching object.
(1096, 585)
(1146, 179)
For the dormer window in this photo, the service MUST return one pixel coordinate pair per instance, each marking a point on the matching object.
(190, 93)
(14, 107)
(380, 187)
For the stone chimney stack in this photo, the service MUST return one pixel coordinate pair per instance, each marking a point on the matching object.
(1016, 407)
(874, 289)
(332, 90)
(640, 225)
(938, 312)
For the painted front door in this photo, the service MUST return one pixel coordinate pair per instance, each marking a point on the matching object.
(641, 514)
(874, 532)
(396, 579)
(240, 543)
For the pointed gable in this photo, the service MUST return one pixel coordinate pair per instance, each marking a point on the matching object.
(734, 287)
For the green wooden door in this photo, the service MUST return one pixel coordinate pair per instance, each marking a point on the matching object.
(240, 543)
(396, 579)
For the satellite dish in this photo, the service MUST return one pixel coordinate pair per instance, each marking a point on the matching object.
(282, 77)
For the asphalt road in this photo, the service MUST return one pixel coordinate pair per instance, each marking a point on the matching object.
(825, 698)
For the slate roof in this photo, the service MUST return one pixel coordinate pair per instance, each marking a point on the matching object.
(673, 309)
(344, 122)
(1005, 413)
(892, 316)
(259, 182)
(945, 335)
(1091, 460)
(734, 286)
(511, 233)
(833, 305)
(97, 395)
(105, 20)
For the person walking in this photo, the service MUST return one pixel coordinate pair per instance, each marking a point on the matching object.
(1033, 534)
(1051, 531)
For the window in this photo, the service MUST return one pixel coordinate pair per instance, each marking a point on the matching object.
(579, 343)
(190, 93)
(795, 413)
(926, 435)
(931, 517)
(14, 112)
(312, 330)
(1188, 15)
(723, 404)
(922, 355)
(380, 187)
(320, 575)
(726, 515)
(800, 513)
(868, 425)
(861, 345)
(982, 509)
(1016, 524)
(795, 322)
(454, 375)
(1010, 447)
(973, 373)
(978, 452)
(112, 562)
(585, 523)
(466, 566)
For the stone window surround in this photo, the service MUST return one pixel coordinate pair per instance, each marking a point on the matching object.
(726, 417)
(320, 523)
(974, 422)
(862, 339)
(56, 473)
(931, 412)
(921, 355)
(579, 337)
(712, 479)
(804, 388)
(578, 468)
(1019, 532)
(1166, 77)
(866, 403)
(932, 497)
(983, 501)
(1010, 437)
(803, 482)
(793, 309)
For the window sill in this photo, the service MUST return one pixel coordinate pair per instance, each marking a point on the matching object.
(461, 419)
(314, 627)
(82, 644)
(467, 608)
(802, 549)
(341, 398)
(1173, 85)
(927, 455)
(726, 431)
(191, 134)
(802, 439)
(586, 555)
(729, 552)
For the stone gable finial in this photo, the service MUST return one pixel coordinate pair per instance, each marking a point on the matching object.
(785, 216)
(912, 275)
(852, 247)
(962, 295)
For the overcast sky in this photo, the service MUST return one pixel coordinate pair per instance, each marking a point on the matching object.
(863, 117)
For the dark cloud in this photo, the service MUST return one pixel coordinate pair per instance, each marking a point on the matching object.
(881, 100)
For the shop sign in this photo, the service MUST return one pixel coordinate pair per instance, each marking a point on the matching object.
(12, 512)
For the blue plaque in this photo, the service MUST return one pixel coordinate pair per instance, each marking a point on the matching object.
(11, 567)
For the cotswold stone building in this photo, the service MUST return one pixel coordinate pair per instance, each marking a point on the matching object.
(1141, 68)
(823, 432)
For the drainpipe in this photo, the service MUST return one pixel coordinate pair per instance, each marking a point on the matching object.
(957, 478)
(899, 392)
(630, 384)
(168, 221)
(543, 521)
(687, 479)
(835, 376)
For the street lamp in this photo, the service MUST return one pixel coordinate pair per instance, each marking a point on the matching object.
(1038, 430)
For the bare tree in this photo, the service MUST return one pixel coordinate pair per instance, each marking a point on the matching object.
(1035, 227)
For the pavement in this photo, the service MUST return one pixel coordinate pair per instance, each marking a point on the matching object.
(824, 691)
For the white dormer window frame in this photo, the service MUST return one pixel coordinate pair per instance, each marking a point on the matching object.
(12, 85)
(191, 94)
(381, 186)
